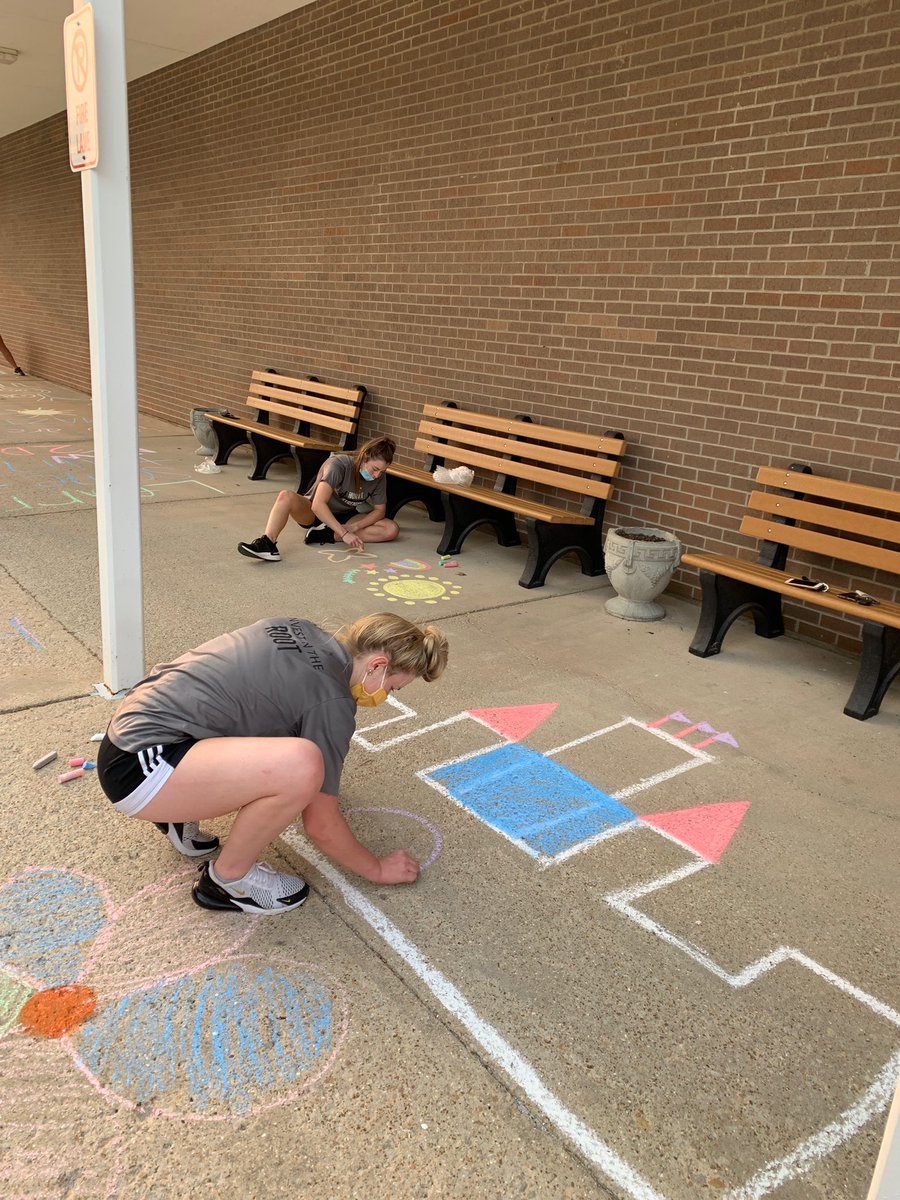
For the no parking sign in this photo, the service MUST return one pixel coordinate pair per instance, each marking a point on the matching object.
(81, 88)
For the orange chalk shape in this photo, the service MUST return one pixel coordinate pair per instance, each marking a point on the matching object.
(58, 1010)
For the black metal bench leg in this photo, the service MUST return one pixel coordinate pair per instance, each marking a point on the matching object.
(878, 667)
(547, 543)
(266, 451)
(308, 463)
(462, 515)
(404, 491)
(724, 600)
(227, 437)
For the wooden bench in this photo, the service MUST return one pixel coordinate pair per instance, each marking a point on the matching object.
(846, 522)
(308, 404)
(514, 451)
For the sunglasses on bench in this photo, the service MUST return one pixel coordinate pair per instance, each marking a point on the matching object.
(814, 585)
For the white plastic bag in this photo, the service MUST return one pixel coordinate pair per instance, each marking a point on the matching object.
(462, 476)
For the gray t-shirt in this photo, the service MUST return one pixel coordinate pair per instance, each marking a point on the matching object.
(338, 471)
(281, 677)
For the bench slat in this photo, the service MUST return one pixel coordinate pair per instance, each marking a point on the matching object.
(300, 413)
(826, 515)
(821, 543)
(515, 504)
(350, 394)
(530, 450)
(831, 489)
(885, 612)
(309, 399)
(568, 483)
(594, 443)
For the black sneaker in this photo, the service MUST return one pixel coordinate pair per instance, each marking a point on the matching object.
(19, 371)
(262, 890)
(188, 838)
(319, 535)
(262, 547)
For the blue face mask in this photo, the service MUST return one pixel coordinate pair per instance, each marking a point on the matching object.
(365, 474)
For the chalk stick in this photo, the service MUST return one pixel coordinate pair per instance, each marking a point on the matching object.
(68, 775)
(76, 762)
(96, 737)
(87, 765)
(42, 762)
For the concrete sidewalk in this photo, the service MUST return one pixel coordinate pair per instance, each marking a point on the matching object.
(653, 953)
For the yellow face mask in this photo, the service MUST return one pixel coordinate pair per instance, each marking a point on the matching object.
(369, 699)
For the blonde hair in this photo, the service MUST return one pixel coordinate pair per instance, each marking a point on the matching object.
(417, 651)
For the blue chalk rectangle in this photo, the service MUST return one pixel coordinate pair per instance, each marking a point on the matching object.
(531, 798)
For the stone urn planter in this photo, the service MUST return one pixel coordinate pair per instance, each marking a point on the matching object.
(639, 565)
(203, 430)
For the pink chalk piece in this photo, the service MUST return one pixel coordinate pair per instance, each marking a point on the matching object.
(513, 723)
(76, 762)
(451, 563)
(706, 829)
(67, 776)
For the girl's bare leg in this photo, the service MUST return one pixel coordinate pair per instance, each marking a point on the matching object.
(384, 530)
(267, 781)
(288, 505)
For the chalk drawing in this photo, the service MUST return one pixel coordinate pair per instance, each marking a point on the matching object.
(23, 633)
(703, 832)
(413, 589)
(702, 726)
(410, 564)
(196, 1031)
(402, 812)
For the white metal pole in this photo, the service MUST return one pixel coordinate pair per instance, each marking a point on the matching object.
(106, 197)
(886, 1180)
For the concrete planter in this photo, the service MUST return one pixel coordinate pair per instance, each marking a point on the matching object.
(203, 430)
(639, 565)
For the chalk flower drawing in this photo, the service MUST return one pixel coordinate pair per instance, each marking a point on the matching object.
(151, 1004)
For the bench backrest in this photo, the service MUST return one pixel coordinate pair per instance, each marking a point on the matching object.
(519, 448)
(308, 402)
(831, 517)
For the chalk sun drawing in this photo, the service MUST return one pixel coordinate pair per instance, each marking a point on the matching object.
(412, 589)
(150, 1002)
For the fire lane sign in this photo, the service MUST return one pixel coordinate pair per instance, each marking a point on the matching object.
(81, 88)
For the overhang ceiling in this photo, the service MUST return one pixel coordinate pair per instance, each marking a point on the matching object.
(157, 33)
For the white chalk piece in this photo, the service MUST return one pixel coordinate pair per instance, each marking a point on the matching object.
(67, 775)
(96, 737)
(42, 762)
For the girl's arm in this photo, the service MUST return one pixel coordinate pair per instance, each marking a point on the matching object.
(324, 824)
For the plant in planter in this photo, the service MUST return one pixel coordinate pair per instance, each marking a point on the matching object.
(639, 565)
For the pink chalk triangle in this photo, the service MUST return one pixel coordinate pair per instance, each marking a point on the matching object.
(513, 723)
(707, 829)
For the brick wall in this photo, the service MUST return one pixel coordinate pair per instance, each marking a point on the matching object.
(676, 219)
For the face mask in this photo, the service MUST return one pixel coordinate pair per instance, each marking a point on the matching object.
(365, 474)
(369, 699)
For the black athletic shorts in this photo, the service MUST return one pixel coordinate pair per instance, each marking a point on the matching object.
(132, 780)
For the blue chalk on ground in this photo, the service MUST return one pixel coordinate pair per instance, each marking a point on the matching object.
(532, 799)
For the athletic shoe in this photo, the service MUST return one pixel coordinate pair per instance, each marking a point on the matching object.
(19, 371)
(188, 838)
(262, 890)
(319, 535)
(261, 547)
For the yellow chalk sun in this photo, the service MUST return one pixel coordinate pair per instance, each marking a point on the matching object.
(413, 589)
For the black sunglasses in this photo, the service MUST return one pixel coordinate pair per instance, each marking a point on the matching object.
(857, 597)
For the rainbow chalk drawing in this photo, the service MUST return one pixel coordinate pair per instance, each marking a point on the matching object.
(512, 778)
(152, 1005)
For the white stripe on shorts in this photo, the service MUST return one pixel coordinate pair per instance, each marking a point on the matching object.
(157, 771)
